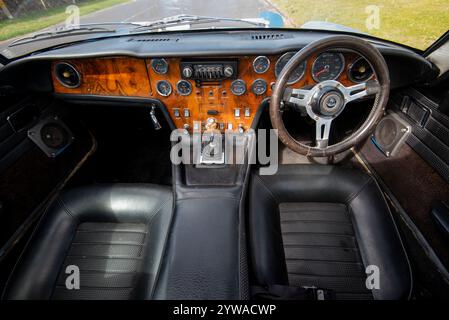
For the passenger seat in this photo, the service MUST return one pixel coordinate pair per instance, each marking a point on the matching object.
(114, 234)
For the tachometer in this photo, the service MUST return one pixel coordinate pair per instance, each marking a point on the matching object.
(360, 70)
(163, 88)
(184, 87)
(328, 66)
(296, 74)
(259, 87)
(261, 64)
(238, 87)
(159, 66)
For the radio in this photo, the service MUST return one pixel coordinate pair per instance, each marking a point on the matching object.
(209, 70)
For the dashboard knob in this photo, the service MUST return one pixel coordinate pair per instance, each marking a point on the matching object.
(228, 71)
(187, 72)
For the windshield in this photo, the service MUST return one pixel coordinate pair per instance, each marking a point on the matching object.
(416, 23)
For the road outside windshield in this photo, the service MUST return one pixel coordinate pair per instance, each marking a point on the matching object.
(416, 23)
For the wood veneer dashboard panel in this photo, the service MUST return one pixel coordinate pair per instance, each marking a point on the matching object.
(218, 96)
(208, 96)
(120, 76)
(133, 77)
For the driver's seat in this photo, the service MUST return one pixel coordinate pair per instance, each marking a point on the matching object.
(322, 226)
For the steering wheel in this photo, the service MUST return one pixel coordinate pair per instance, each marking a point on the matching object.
(326, 100)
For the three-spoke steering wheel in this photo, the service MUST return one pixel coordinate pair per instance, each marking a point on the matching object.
(326, 100)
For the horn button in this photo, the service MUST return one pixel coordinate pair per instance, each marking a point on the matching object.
(328, 102)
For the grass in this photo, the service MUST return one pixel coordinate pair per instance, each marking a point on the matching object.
(43, 19)
(416, 23)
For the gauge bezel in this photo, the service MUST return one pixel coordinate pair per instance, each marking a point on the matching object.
(238, 80)
(280, 58)
(342, 57)
(190, 86)
(261, 57)
(169, 85)
(350, 68)
(154, 69)
(74, 69)
(252, 87)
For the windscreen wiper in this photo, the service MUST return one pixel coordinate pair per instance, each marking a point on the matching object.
(78, 30)
(186, 19)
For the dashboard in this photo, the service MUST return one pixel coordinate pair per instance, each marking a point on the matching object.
(226, 91)
(218, 75)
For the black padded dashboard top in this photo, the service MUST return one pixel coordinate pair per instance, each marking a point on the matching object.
(202, 43)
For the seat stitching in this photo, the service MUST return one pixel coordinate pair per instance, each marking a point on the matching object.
(67, 210)
(156, 212)
(149, 223)
(355, 194)
(262, 182)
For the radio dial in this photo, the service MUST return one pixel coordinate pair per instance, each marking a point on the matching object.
(228, 71)
(187, 72)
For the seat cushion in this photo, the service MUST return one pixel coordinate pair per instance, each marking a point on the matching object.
(114, 234)
(315, 225)
(321, 249)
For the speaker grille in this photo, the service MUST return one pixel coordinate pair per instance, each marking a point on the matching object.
(67, 75)
(386, 132)
(391, 132)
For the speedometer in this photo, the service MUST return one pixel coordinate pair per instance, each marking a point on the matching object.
(296, 74)
(327, 66)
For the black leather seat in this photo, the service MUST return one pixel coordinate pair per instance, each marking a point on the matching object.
(114, 234)
(322, 226)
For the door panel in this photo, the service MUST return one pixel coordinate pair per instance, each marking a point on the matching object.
(418, 174)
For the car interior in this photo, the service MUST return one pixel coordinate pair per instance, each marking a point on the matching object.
(356, 207)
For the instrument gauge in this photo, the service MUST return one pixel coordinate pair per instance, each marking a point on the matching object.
(238, 87)
(296, 74)
(163, 88)
(159, 66)
(327, 66)
(261, 64)
(184, 87)
(259, 87)
(360, 70)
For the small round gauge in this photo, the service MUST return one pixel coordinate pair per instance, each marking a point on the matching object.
(261, 64)
(296, 74)
(159, 66)
(327, 66)
(163, 88)
(259, 87)
(184, 87)
(238, 87)
(360, 70)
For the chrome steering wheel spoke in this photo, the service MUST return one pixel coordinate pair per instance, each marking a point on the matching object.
(360, 90)
(323, 127)
(298, 97)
